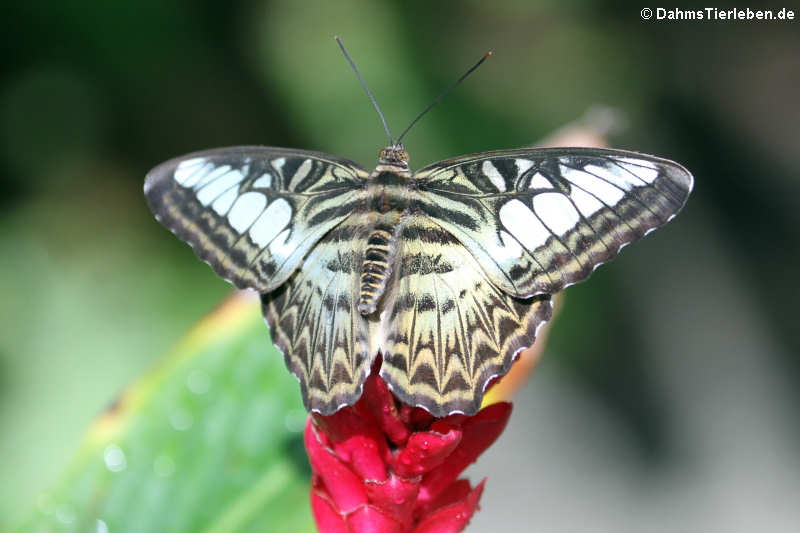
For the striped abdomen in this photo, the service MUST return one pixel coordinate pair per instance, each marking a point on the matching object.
(376, 270)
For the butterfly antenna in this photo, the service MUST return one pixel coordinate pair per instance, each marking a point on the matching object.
(462, 78)
(364, 84)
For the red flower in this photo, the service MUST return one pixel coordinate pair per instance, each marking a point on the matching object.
(380, 468)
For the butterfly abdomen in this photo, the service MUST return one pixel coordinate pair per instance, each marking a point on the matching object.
(376, 270)
(387, 198)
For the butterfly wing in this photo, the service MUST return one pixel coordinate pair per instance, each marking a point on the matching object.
(314, 320)
(253, 213)
(538, 220)
(446, 330)
(491, 237)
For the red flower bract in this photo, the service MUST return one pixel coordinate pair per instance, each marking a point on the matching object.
(380, 466)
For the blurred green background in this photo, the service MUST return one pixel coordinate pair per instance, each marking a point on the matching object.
(667, 400)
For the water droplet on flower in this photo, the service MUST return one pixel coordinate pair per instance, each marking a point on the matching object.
(198, 382)
(102, 527)
(65, 514)
(164, 466)
(114, 458)
(180, 418)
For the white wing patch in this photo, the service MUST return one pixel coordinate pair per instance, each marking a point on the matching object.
(510, 249)
(265, 223)
(223, 182)
(556, 211)
(585, 202)
(222, 204)
(211, 176)
(494, 176)
(278, 163)
(271, 222)
(616, 175)
(246, 213)
(598, 188)
(264, 181)
(521, 223)
(540, 182)
(523, 165)
(188, 170)
(247, 208)
(281, 246)
(643, 169)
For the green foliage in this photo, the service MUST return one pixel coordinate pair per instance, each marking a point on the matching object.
(209, 441)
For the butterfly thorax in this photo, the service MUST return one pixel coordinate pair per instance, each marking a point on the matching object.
(387, 201)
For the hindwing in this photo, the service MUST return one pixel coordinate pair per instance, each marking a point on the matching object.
(253, 213)
(446, 329)
(314, 320)
(538, 220)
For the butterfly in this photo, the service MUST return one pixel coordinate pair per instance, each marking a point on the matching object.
(446, 272)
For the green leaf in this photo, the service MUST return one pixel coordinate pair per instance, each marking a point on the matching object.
(208, 442)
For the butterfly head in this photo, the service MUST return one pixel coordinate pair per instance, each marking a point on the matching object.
(394, 155)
